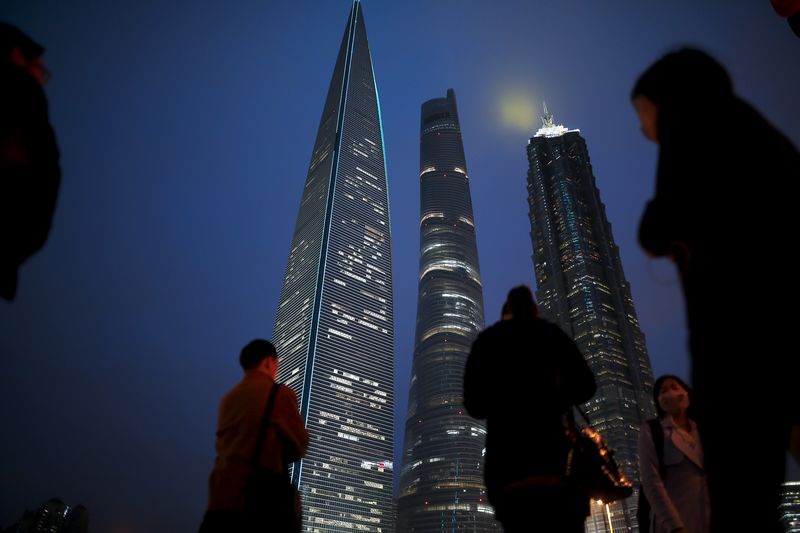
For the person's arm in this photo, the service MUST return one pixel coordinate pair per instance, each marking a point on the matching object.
(666, 223)
(652, 484)
(475, 380)
(289, 425)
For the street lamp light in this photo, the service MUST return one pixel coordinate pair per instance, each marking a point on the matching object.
(608, 514)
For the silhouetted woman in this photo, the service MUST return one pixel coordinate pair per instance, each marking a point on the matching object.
(725, 211)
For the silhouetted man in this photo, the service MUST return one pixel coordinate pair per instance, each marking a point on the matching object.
(522, 376)
(241, 415)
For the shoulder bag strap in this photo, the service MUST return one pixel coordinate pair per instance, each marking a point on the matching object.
(262, 432)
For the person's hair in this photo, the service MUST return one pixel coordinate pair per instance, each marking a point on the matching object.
(657, 389)
(684, 85)
(256, 351)
(12, 37)
(686, 76)
(520, 302)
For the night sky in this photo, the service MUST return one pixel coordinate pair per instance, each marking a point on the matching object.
(186, 130)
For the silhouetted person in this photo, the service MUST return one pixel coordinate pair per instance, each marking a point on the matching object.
(29, 172)
(675, 484)
(522, 376)
(240, 417)
(725, 210)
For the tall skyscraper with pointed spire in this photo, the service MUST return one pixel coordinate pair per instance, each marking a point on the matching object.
(334, 326)
(441, 484)
(581, 286)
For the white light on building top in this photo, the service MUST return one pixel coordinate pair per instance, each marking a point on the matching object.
(549, 127)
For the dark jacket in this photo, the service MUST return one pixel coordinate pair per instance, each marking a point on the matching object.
(521, 376)
(726, 202)
(724, 206)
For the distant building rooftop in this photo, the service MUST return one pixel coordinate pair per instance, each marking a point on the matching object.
(550, 128)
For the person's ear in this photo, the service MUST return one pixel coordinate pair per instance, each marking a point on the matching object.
(18, 58)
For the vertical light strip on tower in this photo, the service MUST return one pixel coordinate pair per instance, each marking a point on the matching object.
(441, 485)
(334, 326)
(581, 286)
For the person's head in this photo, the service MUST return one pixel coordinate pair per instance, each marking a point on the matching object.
(259, 355)
(520, 303)
(671, 395)
(18, 49)
(679, 85)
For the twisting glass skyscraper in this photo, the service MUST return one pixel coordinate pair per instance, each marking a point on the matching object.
(334, 325)
(441, 484)
(581, 287)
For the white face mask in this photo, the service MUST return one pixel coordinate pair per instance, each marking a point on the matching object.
(673, 398)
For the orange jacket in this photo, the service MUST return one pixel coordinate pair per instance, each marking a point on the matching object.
(240, 416)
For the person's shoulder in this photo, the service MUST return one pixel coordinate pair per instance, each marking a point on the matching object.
(240, 393)
(650, 422)
(543, 325)
(488, 331)
(285, 392)
(495, 330)
(251, 384)
(649, 429)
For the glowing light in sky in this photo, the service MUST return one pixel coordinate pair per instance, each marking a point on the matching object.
(518, 111)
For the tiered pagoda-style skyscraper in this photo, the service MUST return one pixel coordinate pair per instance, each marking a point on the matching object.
(441, 484)
(334, 325)
(581, 287)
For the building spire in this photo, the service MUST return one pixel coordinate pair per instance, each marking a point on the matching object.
(547, 118)
(549, 127)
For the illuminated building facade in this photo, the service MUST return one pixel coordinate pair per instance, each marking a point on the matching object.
(54, 516)
(441, 483)
(334, 326)
(581, 286)
(790, 506)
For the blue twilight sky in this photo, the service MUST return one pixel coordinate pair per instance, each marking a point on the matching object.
(186, 130)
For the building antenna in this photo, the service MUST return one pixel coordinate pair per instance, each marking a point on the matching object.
(547, 119)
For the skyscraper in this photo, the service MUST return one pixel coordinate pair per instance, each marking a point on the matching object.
(334, 325)
(54, 516)
(441, 484)
(790, 506)
(581, 287)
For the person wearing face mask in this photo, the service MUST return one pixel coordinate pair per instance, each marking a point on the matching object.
(674, 478)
